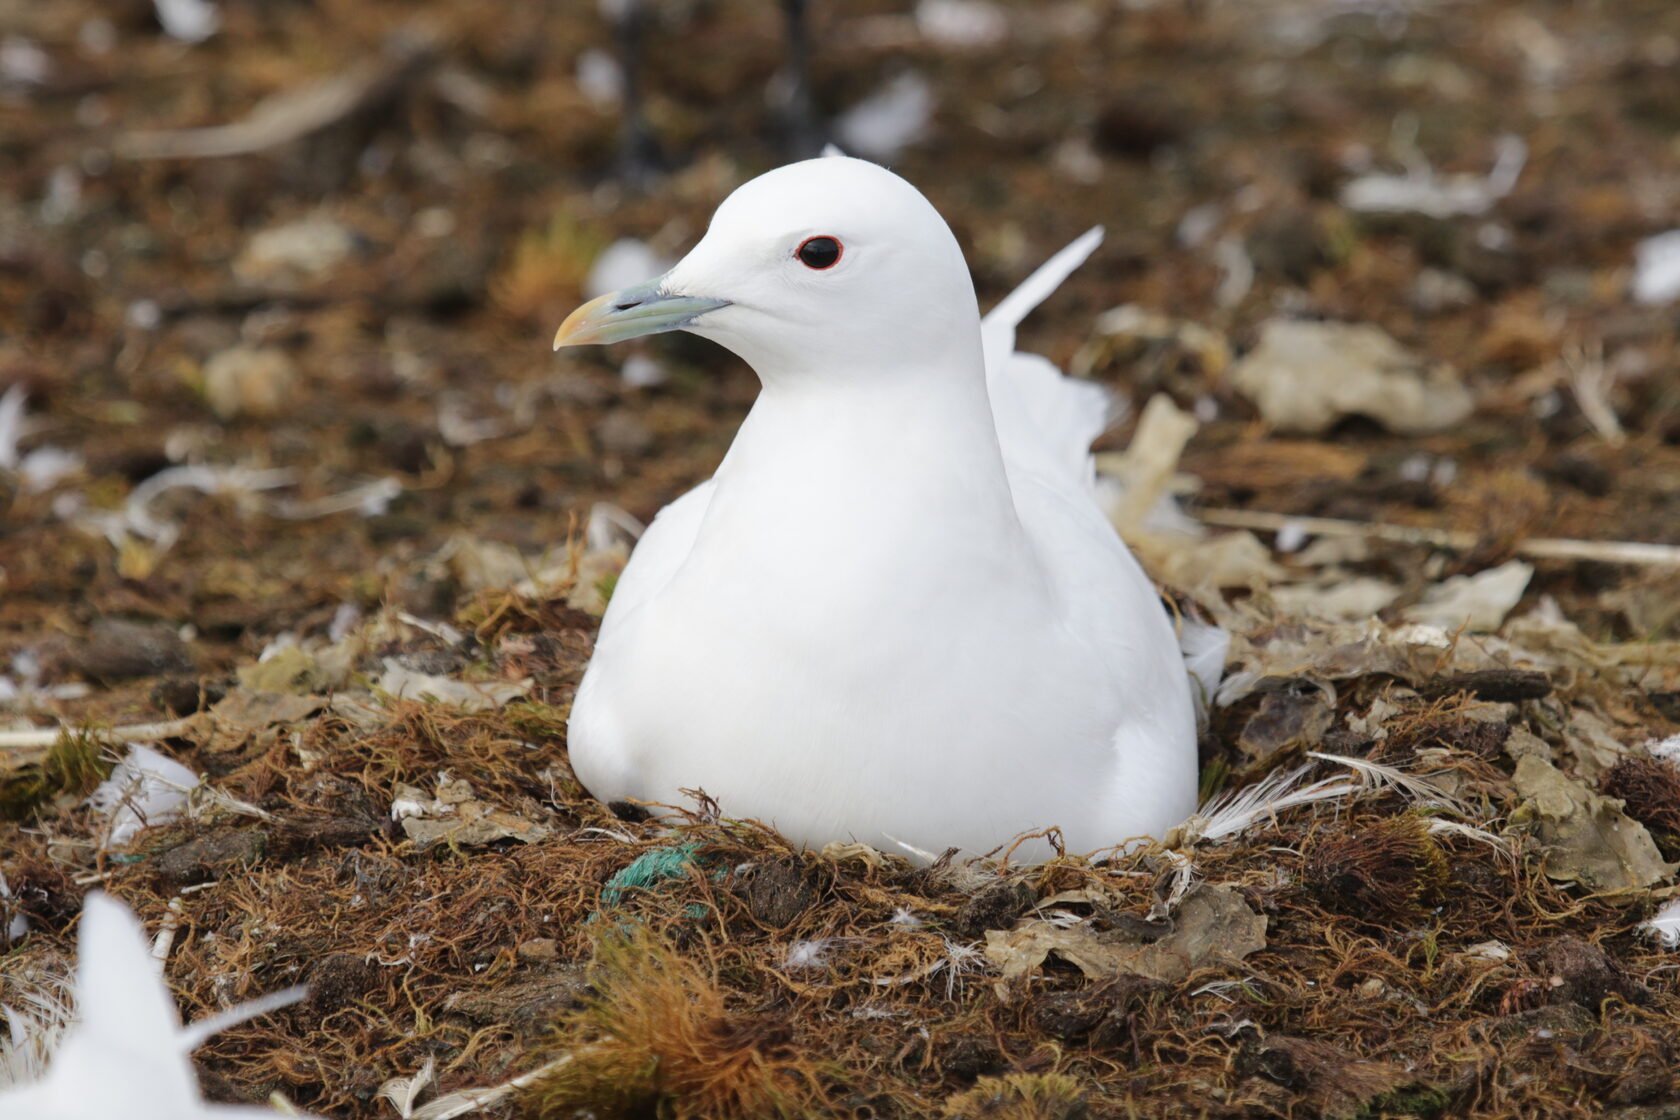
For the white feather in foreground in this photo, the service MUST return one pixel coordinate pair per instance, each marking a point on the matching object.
(124, 1054)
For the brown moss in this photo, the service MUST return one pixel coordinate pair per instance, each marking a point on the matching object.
(72, 766)
(1455, 733)
(1384, 869)
(1020, 1096)
(660, 1038)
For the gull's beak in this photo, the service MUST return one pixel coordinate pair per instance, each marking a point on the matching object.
(632, 312)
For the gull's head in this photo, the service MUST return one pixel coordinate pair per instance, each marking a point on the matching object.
(828, 264)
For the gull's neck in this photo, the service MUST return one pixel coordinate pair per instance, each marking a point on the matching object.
(837, 465)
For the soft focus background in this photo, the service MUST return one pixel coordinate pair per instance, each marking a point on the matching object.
(277, 285)
(362, 294)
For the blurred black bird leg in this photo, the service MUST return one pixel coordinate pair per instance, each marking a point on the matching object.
(639, 157)
(801, 135)
(639, 161)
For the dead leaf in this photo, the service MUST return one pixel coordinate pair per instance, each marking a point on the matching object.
(1592, 744)
(1478, 603)
(1305, 376)
(246, 710)
(1150, 460)
(1214, 926)
(1235, 559)
(1338, 1084)
(473, 696)
(457, 815)
(291, 670)
(1328, 652)
(1338, 598)
(1294, 712)
(1586, 836)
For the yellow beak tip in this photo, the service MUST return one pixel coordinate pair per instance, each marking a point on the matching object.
(579, 327)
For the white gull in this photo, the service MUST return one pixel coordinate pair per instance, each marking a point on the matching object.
(896, 613)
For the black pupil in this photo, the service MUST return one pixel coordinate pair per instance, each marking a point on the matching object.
(820, 252)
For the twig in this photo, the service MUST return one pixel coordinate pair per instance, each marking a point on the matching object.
(1535, 548)
(40, 738)
(295, 113)
(471, 1100)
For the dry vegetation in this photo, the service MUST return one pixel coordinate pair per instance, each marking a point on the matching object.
(1464, 947)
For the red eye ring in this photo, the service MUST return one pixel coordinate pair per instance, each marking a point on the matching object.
(820, 253)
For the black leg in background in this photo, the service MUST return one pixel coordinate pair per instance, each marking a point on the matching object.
(802, 136)
(638, 155)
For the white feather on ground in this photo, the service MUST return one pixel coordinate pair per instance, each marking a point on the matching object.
(144, 790)
(1664, 925)
(122, 1054)
(1235, 813)
(34, 1027)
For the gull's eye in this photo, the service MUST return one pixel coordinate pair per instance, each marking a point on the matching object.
(818, 252)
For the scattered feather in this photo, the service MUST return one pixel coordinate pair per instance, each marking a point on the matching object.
(889, 120)
(963, 24)
(136, 518)
(11, 424)
(40, 469)
(600, 78)
(145, 789)
(904, 918)
(191, 21)
(1439, 827)
(369, 500)
(23, 62)
(35, 1027)
(623, 264)
(611, 527)
(1205, 646)
(642, 372)
(1489, 951)
(402, 683)
(1420, 190)
(404, 1092)
(1378, 776)
(1664, 925)
(1666, 749)
(958, 961)
(125, 1053)
(811, 954)
(1656, 268)
(1235, 813)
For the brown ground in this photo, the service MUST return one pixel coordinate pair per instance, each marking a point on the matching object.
(477, 183)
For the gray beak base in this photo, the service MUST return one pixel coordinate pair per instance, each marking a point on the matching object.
(632, 312)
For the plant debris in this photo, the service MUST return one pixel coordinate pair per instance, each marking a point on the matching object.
(294, 496)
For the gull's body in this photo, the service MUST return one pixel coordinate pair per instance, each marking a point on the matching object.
(896, 612)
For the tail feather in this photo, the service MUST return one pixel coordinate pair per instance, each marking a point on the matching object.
(1045, 419)
(1001, 321)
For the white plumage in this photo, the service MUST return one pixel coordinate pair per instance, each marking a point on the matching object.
(896, 612)
(125, 1055)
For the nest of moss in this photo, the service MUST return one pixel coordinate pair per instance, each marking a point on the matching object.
(1402, 948)
(1457, 931)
